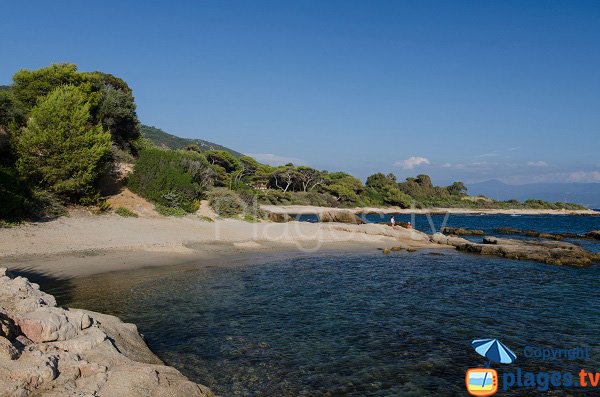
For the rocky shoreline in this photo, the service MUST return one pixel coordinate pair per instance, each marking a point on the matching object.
(52, 351)
(545, 251)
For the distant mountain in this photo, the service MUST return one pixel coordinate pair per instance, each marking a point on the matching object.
(587, 194)
(163, 139)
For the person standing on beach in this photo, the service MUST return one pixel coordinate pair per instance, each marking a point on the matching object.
(393, 221)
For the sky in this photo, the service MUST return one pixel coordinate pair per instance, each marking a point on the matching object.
(459, 90)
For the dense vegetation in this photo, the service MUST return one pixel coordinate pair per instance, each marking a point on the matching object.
(61, 130)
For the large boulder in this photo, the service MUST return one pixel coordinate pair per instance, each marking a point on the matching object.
(47, 325)
(340, 216)
(51, 351)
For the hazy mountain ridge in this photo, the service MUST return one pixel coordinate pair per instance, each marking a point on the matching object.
(587, 194)
(163, 139)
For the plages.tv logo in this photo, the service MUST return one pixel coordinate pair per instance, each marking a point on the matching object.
(483, 381)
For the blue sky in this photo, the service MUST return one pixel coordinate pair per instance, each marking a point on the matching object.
(460, 90)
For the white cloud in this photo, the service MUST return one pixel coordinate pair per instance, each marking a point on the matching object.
(584, 176)
(447, 165)
(537, 164)
(412, 162)
(274, 159)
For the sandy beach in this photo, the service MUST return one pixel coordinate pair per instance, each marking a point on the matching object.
(82, 245)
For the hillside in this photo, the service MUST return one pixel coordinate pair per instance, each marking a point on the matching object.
(163, 139)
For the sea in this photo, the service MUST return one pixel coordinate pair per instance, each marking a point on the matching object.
(364, 323)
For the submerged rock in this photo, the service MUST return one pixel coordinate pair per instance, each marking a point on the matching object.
(51, 351)
(550, 252)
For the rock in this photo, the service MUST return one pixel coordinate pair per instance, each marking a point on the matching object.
(399, 233)
(7, 350)
(51, 351)
(454, 241)
(594, 234)
(8, 328)
(280, 217)
(459, 231)
(533, 233)
(46, 325)
(396, 248)
(340, 216)
(550, 252)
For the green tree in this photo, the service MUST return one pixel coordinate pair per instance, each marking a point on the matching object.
(457, 189)
(388, 189)
(12, 116)
(59, 149)
(110, 98)
(116, 112)
(225, 166)
(29, 86)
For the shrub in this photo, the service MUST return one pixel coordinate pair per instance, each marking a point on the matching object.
(170, 178)
(125, 212)
(169, 211)
(225, 202)
(15, 197)
(59, 150)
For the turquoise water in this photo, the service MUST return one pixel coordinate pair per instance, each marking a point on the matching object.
(363, 324)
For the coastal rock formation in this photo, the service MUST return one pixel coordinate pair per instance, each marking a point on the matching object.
(50, 351)
(594, 234)
(408, 238)
(591, 235)
(280, 217)
(341, 216)
(550, 252)
(459, 231)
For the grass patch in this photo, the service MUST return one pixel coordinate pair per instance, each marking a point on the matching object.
(205, 218)
(125, 212)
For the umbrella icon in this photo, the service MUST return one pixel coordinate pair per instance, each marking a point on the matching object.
(494, 350)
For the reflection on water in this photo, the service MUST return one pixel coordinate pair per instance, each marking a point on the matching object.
(351, 325)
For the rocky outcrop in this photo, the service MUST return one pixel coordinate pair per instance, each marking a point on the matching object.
(340, 216)
(550, 252)
(50, 351)
(594, 234)
(459, 231)
(533, 233)
(280, 217)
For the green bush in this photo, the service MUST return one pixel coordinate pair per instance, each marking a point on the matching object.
(170, 178)
(226, 203)
(15, 197)
(125, 212)
(169, 211)
(59, 150)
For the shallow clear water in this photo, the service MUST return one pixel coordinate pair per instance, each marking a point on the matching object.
(357, 324)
